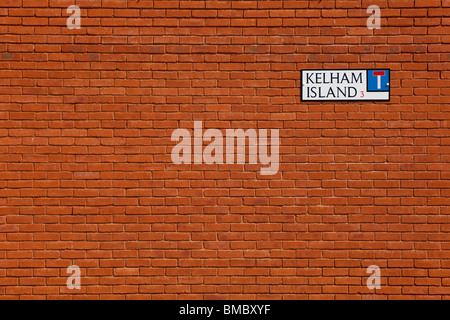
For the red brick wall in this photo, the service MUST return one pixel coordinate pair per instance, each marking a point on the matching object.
(86, 176)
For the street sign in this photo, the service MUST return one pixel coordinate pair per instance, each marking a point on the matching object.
(346, 85)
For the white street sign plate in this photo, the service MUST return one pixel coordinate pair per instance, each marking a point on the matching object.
(346, 85)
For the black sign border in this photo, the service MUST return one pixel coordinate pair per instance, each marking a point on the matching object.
(340, 100)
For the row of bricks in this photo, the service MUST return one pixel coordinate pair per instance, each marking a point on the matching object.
(223, 4)
(225, 13)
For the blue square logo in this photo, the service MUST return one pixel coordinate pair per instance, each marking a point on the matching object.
(378, 80)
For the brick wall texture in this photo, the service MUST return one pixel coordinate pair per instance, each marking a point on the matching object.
(86, 176)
